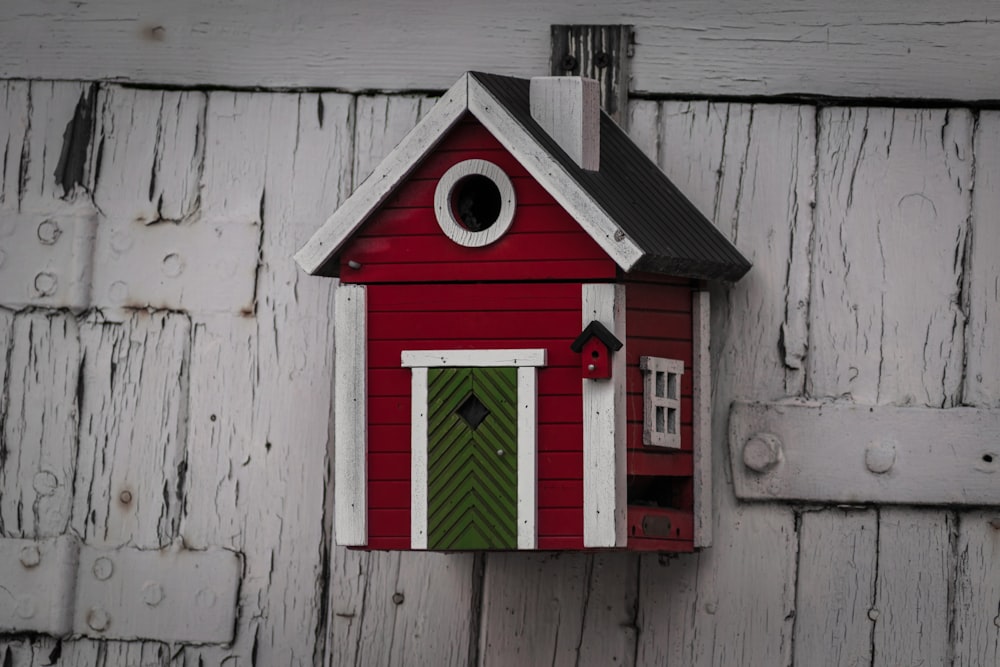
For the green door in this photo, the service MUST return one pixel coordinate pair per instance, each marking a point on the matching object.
(472, 458)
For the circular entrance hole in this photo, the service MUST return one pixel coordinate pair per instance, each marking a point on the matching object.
(476, 202)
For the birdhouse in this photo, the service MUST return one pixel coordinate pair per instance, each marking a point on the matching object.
(521, 333)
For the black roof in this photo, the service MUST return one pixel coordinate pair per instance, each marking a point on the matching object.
(675, 237)
(596, 330)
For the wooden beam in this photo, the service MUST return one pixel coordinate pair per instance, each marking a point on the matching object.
(600, 52)
(854, 48)
(845, 453)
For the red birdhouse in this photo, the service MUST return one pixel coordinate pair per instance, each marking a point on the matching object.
(514, 215)
(595, 345)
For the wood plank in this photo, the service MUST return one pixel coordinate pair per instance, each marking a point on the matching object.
(129, 486)
(836, 586)
(894, 185)
(260, 387)
(604, 443)
(853, 49)
(736, 602)
(977, 589)
(854, 453)
(40, 423)
(587, 603)
(977, 577)
(982, 376)
(913, 601)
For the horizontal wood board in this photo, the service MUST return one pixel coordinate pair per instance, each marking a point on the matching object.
(778, 47)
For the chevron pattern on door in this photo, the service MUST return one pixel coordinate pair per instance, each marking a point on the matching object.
(472, 470)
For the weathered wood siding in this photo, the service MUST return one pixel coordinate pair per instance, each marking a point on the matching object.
(199, 379)
(853, 48)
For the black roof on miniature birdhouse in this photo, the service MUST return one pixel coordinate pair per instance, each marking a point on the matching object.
(596, 330)
(628, 206)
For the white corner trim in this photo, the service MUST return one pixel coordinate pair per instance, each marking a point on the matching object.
(389, 173)
(473, 358)
(350, 416)
(418, 458)
(455, 229)
(556, 180)
(604, 424)
(527, 457)
(847, 453)
(527, 432)
(701, 408)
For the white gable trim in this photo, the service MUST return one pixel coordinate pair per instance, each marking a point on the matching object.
(527, 361)
(553, 177)
(604, 455)
(467, 95)
(390, 172)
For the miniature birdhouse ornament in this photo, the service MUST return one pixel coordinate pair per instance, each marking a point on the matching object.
(521, 333)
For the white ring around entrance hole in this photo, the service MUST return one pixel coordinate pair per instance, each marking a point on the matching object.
(443, 209)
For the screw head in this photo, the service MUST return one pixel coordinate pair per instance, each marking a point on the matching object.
(152, 593)
(46, 283)
(873, 614)
(25, 607)
(103, 568)
(880, 457)
(397, 598)
(49, 232)
(98, 619)
(762, 452)
(125, 497)
(602, 60)
(569, 62)
(30, 556)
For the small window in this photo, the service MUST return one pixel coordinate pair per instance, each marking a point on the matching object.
(661, 401)
(474, 203)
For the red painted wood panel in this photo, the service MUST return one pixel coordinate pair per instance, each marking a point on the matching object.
(673, 546)
(658, 324)
(654, 462)
(485, 296)
(462, 316)
(401, 241)
(573, 543)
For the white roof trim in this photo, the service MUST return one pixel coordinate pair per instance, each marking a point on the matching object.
(390, 173)
(467, 94)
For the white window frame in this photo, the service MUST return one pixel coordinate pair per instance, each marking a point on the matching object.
(527, 362)
(665, 432)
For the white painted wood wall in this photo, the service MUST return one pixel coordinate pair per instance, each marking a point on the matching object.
(875, 239)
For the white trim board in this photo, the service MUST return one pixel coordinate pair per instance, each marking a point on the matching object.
(845, 453)
(350, 471)
(467, 95)
(853, 48)
(701, 409)
(473, 358)
(526, 361)
(604, 424)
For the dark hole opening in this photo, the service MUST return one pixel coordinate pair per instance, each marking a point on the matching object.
(595, 354)
(475, 201)
(988, 458)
